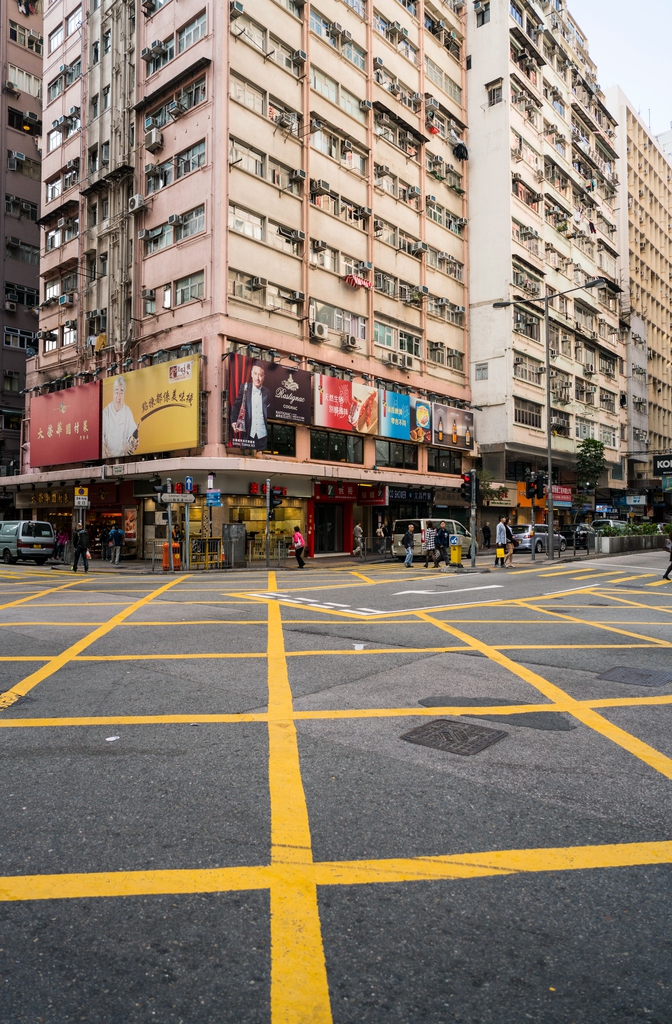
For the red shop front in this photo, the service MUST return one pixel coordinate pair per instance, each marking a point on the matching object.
(330, 520)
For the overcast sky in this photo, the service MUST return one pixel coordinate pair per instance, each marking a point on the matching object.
(631, 43)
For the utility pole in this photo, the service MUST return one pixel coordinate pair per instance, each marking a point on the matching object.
(268, 523)
(169, 488)
(534, 523)
(472, 518)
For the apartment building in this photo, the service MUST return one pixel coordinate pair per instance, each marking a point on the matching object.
(543, 201)
(645, 241)
(21, 114)
(239, 188)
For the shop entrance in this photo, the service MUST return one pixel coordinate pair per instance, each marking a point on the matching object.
(328, 528)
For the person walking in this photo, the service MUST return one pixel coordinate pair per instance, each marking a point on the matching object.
(500, 542)
(61, 541)
(668, 547)
(358, 534)
(82, 542)
(407, 541)
(117, 538)
(442, 542)
(383, 532)
(508, 561)
(299, 545)
(104, 543)
(487, 534)
(430, 544)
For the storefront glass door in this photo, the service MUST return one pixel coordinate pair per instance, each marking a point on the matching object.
(328, 528)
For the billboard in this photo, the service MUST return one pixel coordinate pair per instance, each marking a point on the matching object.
(344, 405)
(151, 410)
(65, 426)
(662, 464)
(260, 391)
(421, 421)
(394, 415)
(451, 427)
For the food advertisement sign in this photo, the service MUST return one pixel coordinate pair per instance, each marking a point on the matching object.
(151, 410)
(421, 421)
(260, 391)
(342, 405)
(394, 415)
(65, 426)
(451, 427)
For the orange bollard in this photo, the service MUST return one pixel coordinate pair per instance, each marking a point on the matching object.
(166, 557)
(177, 556)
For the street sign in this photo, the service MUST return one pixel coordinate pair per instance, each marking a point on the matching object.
(82, 501)
(81, 492)
(177, 499)
(188, 484)
(454, 540)
(118, 470)
(213, 498)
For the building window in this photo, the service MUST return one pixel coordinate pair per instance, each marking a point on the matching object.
(338, 319)
(396, 455)
(10, 380)
(518, 470)
(528, 414)
(162, 59)
(55, 88)
(95, 52)
(281, 440)
(22, 251)
(249, 95)
(21, 35)
(102, 263)
(329, 446)
(483, 17)
(107, 41)
(441, 460)
(584, 428)
(246, 158)
(106, 97)
(245, 222)
(161, 240)
(69, 336)
(191, 33)
(192, 223)
(191, 95)
(516, 14)
(95, 100)
(55, 38)
(22, 294)
(15, 338)
(190, 160)
(495, 94)
(189, 288)
(481, 371)
(241, 287)
(160, 176)
(74, 20)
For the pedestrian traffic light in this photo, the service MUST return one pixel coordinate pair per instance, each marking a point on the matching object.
(465, 489)
(540, 485)
(530, 487)
(276, 499)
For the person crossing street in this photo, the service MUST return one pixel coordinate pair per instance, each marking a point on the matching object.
(82, 542)
(407, 542)
(430, 545)
(500, 542)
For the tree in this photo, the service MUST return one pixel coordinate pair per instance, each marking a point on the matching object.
(590, 463)
(486, 491)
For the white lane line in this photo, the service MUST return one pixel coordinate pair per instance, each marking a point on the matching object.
(447, 593)
(334, 604)
(557, 593)
(374, 611)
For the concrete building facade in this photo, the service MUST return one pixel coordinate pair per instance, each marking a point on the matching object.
(543, 200)
(21, 119)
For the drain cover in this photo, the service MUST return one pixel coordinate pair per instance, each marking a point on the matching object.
(637, 676)
(542, 720)
(454, 737)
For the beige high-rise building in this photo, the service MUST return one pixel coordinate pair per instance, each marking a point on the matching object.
(272, 182)
(645, 229)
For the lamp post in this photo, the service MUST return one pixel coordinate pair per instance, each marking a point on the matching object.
(546, 300)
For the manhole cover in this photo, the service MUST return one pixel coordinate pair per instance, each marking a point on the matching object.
(454, 737)
(556, 721)
(637, 676)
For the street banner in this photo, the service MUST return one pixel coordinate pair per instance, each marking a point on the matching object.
(394, 415)
(263, 391)
(151, 410)
(451, 427)
(65, 426)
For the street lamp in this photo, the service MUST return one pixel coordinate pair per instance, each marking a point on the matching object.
(546, 300)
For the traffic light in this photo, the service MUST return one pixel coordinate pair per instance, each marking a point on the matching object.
(477, 488)
(276, 500)
(465, 489)
(530, 487)
(540, 485)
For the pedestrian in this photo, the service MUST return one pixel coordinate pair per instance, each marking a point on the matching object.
(430, 544)
(668, 547)
(117, 539)
(407, 541)
(500, 542)
(82, 542)
(508, 561)
(442, 542)
(61, 541)
(487, 534)
(299, 545)
(383, 533)
(104, 543)
(358, 534)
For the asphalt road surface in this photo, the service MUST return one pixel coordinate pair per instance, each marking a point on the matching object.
(216, 805)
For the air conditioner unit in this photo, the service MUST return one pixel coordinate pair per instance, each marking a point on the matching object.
(378, 63)
(419, 247)
(319, 187)
(18, 156)
(151, 169)
(299, 57)
(257, 283)
(136, 203)
(364, 265)
(13, 241)
(143, 233)
(407, 361)
(72, 165)
(30, 117)
(148, 293)
(70, 323)
(12, 87)
(363, 211)
(297, 175)
(365, 104)
(235, 9)
(75, 112)
(146, 54)
(158, 48)
(148, 6)
(61, 222)
(414, 191)
(393, 358)
(12, 297)
(297, 296)
(153, 140)
(589, 368)
(346, 146)
(430, 102)
(176, 218)
(12, 164)
(394, 88)
(66, 300)
(10, 307)
(349, 342)
(297, 236)
(319, 245)
(319, 332)
(518, 361)
(378, 226)
(516, 176)
(382, 169)
(336, 28)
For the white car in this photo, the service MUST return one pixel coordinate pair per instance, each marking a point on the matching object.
(400, 526)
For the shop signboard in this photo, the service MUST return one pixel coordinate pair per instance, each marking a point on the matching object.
(65, 426)
(667, 483)
(55, 497)
(378, 494)
(339, 490)
(662, 464)
(394, 415)
(151, 410)
(562, 496)
(507, 497)
(410, 494)
(261, 391)
(344, 405)
(421, 420)
(451, 427)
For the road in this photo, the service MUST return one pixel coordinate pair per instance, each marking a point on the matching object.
(213, 811)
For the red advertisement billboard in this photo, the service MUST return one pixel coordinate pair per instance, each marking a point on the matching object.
(65, 426)
(342, 405)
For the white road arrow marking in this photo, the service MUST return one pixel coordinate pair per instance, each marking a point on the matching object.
(462, 590)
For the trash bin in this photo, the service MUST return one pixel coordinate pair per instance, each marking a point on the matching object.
(177, 563)
(234, 543)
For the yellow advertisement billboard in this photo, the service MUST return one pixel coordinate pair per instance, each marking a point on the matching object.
(151, 410)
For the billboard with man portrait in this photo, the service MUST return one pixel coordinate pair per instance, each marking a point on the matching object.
(261, 391)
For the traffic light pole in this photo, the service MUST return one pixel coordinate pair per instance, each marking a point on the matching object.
(268, 523)
(534, 523)
(472, 519)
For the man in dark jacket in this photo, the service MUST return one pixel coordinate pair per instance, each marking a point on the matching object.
(249, 413)
(82, 542)
(407, 541)
(104, 544)
(487, 534)
(442, 541)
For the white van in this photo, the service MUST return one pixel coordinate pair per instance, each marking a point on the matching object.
(26, 539)
(400, 526)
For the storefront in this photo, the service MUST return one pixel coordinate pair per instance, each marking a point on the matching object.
(331, 517)
(110, 504)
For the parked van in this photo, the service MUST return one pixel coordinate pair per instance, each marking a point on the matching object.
(400, 527)
(26, 539)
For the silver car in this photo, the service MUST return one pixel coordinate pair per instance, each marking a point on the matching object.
(615, 524)
(527, 534)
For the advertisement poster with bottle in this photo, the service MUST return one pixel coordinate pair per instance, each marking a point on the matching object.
(259, 391)
(452, 428)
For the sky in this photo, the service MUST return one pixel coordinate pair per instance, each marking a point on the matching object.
(630, 43)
